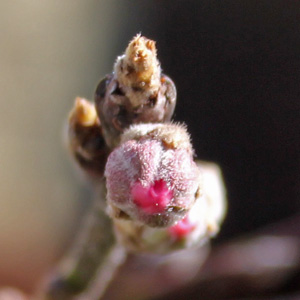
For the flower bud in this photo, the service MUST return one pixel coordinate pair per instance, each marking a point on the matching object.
(136, 92)
(193, 230)
(200, 223)
(85, 140)
(151, 177)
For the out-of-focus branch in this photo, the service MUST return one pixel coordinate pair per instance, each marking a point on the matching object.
(8, 293)
(261, 265)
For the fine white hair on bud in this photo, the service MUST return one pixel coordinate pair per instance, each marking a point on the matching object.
(152, 177)
(172, 135)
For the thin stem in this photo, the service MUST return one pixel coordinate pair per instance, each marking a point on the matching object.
(94, 252)
(104, 274)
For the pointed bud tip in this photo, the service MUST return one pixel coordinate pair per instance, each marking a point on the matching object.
(139, 69)
(83, 113)
(181, 229)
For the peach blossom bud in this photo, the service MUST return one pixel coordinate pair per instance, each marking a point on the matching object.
(85, 140)
(136, 92)
(152, 177)
(192, 230)
(182, 228)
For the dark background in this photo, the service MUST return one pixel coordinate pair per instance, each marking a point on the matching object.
(237, 69)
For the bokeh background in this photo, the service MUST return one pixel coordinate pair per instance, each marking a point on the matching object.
(236, 65)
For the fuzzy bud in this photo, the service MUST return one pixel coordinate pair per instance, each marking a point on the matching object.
(151, 177)
(200, 223)
(193, 230)
(136, 92)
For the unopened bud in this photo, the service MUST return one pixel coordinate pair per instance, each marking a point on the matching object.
(151, 177)
(193, 230)
(85, 138)
(138, 70)
(200, 223)
(136, 92)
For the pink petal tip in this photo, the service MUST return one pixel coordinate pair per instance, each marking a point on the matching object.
(153, 199)
(181, 229)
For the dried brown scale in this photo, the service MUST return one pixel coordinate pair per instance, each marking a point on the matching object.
(85, 138)
(92, 143)
(116, 112)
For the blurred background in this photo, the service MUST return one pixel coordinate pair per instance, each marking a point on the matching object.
(236, 65)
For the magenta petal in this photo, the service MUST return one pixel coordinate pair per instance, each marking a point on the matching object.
(181, 229)
(153, 199)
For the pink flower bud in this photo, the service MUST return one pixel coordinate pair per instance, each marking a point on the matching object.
(182, 228)
(152, 177)
(199, 224)
(193, 230)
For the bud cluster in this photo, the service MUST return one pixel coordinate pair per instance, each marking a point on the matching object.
(156, 192)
